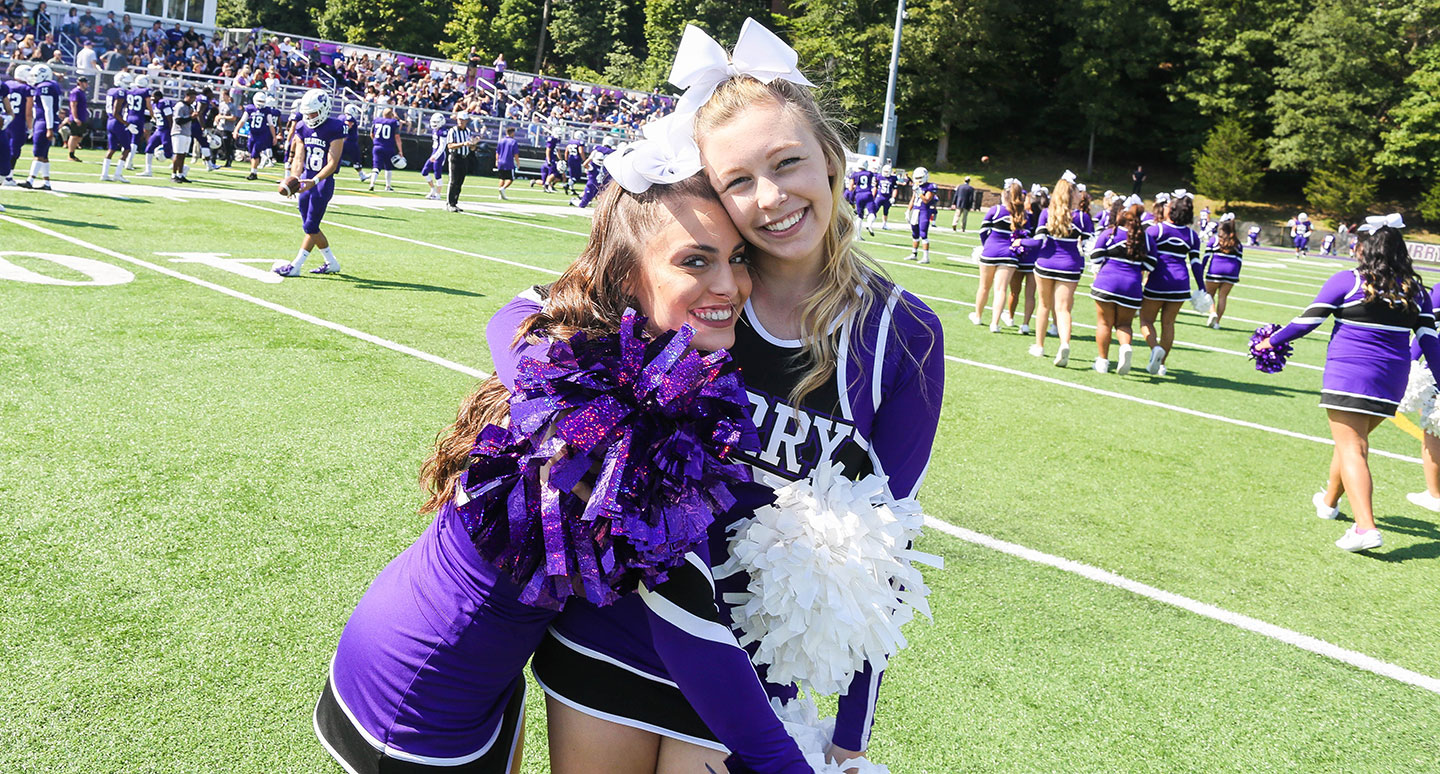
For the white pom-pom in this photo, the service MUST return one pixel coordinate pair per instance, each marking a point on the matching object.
(812, 735)
(1430, 415)
(1418, 389)
(1200, 301)
(831, 579)
(975, 253)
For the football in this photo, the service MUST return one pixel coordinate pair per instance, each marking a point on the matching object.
(984, 159)
(290, 186)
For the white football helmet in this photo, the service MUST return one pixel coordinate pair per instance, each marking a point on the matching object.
(353, 110)
(609, 142)
(270, 101)
(920, 175)
(313, 107)
(41, 73)
(125, 79)
(397, 161)
(22, 73)
(579, 136)
(258, 100)
(871, 164)
(437, 121)
(142, 81)
(887, 169)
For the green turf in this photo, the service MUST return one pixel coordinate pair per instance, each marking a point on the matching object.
(196, 490)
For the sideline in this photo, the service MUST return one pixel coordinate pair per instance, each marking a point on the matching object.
(1278, 633)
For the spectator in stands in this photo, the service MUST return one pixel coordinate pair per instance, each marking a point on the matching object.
(27, 48)
(85, 59)
(71, 25)
(155, 34)
(42, 11)
(116, 59)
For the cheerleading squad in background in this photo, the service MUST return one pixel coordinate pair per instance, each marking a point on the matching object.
(618, 508)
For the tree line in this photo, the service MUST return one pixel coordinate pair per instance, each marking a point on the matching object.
(1338, 98)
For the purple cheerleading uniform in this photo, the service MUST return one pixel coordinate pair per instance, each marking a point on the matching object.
(922, 212)
(996, 232)
(878, 414)
(1117, 281)
(864, 191)
(1060, 257)
(45, 97)
(435, 164)
(1177, 259)
(384, 133)
(1030, 246)
(884, 193)
(1367, 364)
(261, 139)
(1222, 267)
(316, 147)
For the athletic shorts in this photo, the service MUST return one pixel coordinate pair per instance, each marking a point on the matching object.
(41, 143)
(180, 144)
(505, 174)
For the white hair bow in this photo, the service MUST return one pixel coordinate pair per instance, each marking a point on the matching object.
(1227, 216)
(1133, 200)
(701, 64)
(1374, 223)
(1034, 189)
(1009, 181)
(1161, 197)
(667, 154)
(1181, 193)
(1070, 176)
(1080, 187)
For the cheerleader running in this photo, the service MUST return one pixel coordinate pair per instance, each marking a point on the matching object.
(1168, 286)
(1124, 251)
(1376, 306)
(1000, 233)
(1060, 265)
(1222, 266)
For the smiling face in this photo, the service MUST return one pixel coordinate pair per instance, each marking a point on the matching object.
(693, 269)
(771, 172)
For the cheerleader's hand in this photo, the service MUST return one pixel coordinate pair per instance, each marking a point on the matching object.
(838, 754)
(1264, 344)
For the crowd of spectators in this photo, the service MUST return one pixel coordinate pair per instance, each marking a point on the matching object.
(265, 61)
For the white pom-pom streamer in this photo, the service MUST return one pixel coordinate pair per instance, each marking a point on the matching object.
(1419, 389)
(1430, 415)
(812, 735)
(831, 578)
(1201, 301)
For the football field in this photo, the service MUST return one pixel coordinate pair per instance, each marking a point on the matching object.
(203, 466)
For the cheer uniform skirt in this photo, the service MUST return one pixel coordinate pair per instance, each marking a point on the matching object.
(1118, 283)
(1060, 261)
(1223, 269)
(1025, 261)
(1364, 385)
(1170, 281)
(995, 250)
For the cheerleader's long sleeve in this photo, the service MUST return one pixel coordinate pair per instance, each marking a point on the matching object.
(1331, 294)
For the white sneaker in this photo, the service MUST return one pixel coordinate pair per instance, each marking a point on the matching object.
(390, 188)
(994, 328)
(285, 269)
(1322, 510)
(106, 179)
(1162, 370)
(1359, 541)
(503, 196)
(144, 174)
(1052, 330)
(1424, 500)
(1102, 366)
(1211, 322)
(119, 178)
(1024, 329)
(1126, 355)
(925, 258)
(1062, 358)
(1157, 354)
(1037, 351)
(974, 318)
(1007, 320)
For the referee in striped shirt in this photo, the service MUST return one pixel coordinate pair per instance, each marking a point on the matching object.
(460, 146)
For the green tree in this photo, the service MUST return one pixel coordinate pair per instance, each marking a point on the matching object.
(402, 25)
(1411, 145)
(844, 45)
(1430, 203)
(1342, 70)
(665, 22)
(471, 25)
(1110, 86)
(586, 33)
(1229, 48)
(1342, 192)
(1228, 167)
(282, 15)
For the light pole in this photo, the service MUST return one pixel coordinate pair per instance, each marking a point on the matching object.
(887, 129)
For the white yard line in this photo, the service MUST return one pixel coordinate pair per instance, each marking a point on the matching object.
(1280, 634)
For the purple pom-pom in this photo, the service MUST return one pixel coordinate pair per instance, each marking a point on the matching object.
(1272, 360)
(649, 423)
